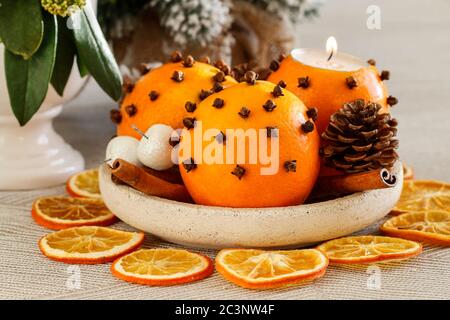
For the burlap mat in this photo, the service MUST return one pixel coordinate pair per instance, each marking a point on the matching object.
(26, 274)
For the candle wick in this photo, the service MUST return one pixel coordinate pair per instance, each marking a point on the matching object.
(142, 134)
(331, 55)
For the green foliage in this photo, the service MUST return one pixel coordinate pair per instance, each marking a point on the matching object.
(16, 16)
(27, 80)
(65, 56)
(40, 48)
(95, 53)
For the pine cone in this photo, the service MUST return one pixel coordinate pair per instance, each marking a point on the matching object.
(360, 139)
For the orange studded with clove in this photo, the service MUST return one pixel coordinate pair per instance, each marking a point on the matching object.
(275, 116)
(161, 94)
(328, 90)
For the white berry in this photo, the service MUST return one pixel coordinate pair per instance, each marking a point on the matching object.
(122, 147)
(154, 150)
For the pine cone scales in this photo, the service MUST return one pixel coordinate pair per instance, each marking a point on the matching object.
(359, 139)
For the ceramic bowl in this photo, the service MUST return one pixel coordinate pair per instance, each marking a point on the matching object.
(220, 227)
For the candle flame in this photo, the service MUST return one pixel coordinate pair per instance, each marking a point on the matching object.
(331, 47)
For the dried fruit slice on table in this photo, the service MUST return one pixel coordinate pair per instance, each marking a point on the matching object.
(366, 249)
(259, 269)
(162, 267)
(61, 212)
(428, 226)
(89, 245)
(84, 184)
(423, 195)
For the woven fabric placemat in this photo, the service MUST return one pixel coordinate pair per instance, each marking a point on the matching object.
(26, 274)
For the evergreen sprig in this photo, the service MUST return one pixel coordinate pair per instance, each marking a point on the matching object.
(195, 21)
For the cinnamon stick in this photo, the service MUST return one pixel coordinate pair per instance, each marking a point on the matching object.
(329, 186)
(171, 175)
(141, 180)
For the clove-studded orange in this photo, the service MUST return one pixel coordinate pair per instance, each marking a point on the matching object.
(327, 90)
(165, 94)
(258, 147)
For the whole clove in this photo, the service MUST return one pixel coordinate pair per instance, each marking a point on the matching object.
(204, 94)
(131, 110)
(221, 138)
(351, 82)
(219, 76)
(274, 65)
(392, 101)
(272, 132)
(190, 106)
(177, 76)
(304, 82)
(217, 87)
(312, 113)
(269, 105)
(188, 61)
(250, 77)
(218, 103)
(277, 91)
(189, 123)
(290, 166)
(153, 95)
(238, 172)
(385, 75)
(116, 116)
(189, 165)
(307, 127)
(176, 56)
(244, 112)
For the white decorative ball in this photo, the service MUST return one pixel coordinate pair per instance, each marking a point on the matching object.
(122, 147)
(154, 150)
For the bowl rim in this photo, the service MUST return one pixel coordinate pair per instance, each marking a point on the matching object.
(397, 169)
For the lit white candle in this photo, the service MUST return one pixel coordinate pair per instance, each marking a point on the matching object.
(329, 59)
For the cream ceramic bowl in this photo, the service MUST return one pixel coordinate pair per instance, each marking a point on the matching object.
(219, 227)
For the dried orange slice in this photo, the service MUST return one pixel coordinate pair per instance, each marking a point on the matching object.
(365, 249)
(260, 269)
(408, 172)
(162, 267)
(428, 226)
(61, 212)
(423, 195)
(89, 245)
(84, 184)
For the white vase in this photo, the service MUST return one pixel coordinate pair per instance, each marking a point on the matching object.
(35, 156)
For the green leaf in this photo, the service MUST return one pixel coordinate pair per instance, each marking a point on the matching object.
(82, 69)
(21, 26)
(95, 53)
(28, 80)
(65, 54)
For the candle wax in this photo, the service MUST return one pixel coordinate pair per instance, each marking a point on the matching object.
(318, 58)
